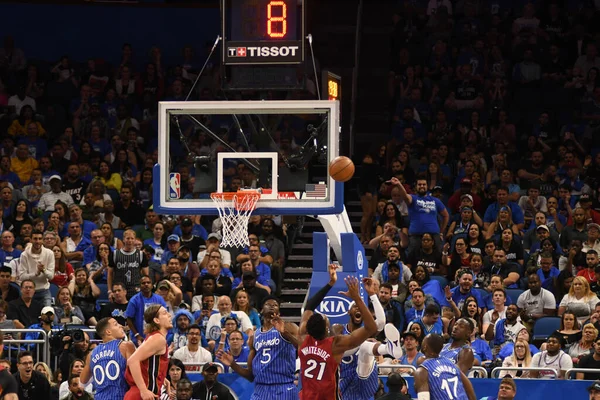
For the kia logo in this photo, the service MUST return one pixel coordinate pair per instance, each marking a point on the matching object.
(334, 306)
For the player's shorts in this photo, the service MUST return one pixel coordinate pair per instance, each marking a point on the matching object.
(361, 388)
(287, 391)
(133, 394)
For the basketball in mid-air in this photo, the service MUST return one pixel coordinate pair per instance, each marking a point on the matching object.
(341, 169)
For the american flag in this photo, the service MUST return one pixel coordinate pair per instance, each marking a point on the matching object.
(316, 190)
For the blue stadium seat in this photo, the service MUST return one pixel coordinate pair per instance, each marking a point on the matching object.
(544, 327)
(53, 291)
(442, 280)
(483, 293)
(16, 286)
(100, 303)
(119, 233)
(514, 294)
(103, 291)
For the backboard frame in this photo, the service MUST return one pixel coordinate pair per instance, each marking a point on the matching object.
(332, 204)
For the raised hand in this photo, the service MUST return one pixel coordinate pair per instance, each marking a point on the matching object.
(395, 181)
(371, 285)
(332, 274)
(278, 323)
(447, 292)
(225, 358)
(352, 284)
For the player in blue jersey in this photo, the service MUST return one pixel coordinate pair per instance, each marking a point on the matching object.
(438, 378)
(358, 370)
(459, 349)
(272, 358)
(106, 364)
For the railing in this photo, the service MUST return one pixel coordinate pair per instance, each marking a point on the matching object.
(585, 370)
(41, 346)
(496, 371)
(478, 370)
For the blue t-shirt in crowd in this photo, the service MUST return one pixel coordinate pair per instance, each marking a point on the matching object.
(423, 212)
(136, 307)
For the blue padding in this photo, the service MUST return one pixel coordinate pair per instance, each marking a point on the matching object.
(335, 306)
(530, 389)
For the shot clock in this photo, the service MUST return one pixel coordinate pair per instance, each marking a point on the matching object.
(266, 32)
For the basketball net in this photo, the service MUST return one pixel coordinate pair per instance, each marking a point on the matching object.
(234, 210)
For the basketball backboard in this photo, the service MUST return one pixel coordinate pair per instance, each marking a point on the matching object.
(280, 147)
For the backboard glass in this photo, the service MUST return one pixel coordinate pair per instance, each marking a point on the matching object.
(282, 147)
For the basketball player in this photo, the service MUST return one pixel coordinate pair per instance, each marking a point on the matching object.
(272, 358)
(358, 370)
(459, 349)
(147, 367)
(108, 361)
(438, 378)
(320, 354)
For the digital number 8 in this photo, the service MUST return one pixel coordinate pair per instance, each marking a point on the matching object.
(271, 30)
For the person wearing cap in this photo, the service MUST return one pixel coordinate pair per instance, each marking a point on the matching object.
(191, 232)
(585, 202)
(532, 237)
(506, 391)
(594, 390)
(173, 244)
(210, 387)
(212, 243)
(48, 200)
(459, 227)
(456, 201)
(256, 295)
(397, 388)
(593, 240)
(411, 350)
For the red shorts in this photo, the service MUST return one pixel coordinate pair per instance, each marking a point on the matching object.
(133, 394)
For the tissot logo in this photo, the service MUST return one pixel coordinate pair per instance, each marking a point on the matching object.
(263, 51)
(334, 306)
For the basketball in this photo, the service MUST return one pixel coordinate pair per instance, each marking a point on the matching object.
(341, 169)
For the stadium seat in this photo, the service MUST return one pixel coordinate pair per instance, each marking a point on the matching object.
(103, 291)
(119, 233)
(54, 290)
(442, 280)
(100, 303)
(483, 293)
(514, 294)
(544, 327)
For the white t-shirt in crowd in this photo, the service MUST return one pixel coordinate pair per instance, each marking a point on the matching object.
(213, 327)
(560, 362)
(536, 304)
(186, 356)
(581, 308)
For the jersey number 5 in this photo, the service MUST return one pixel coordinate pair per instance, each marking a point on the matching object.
(266, 353)
(446, 386)
(312, 365)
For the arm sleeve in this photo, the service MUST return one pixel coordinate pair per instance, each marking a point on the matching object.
(313, 302)
(549, 300)
(379, 313)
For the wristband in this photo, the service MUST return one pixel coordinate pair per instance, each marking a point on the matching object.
(136, 335)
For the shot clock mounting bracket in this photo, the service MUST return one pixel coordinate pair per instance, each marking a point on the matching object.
(262, 32)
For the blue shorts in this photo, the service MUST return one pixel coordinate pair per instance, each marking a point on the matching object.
(361, 388)
(287, 391)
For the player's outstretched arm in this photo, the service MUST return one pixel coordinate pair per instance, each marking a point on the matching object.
(468, 387)
(357, 337)
(314, 301)
(227, 360)
(465, 360)
(422, 384)
(288, 330)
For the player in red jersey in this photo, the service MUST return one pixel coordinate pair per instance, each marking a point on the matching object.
(320, 353)
(147, 367)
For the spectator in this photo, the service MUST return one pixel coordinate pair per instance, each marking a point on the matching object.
(503, 221)
(580, 300)
(590, 361)
(426, 256)
(127, 210)
(593, 240)
(459, 258)
(63, 272)
(464, 289)
(506, 391)
(32, 384)
(589, 273)
(192, 352)
(8, 252)
(393, 309)
(417, 311)
(45, 370)
(209, 387)
(502, 200)
(508, 271)
(117, 305)
(577, 231)
(212, 243)
(37, 264)
(521, 358)
(85, 292)
(535, 302)
(75, 244)
(76, 215)
(64, 309)
(424, 210)
(9, 292)
(23, 164)
(24, 311)
(553, 357)
(431, 321)
(175, 373)
(223, 276)
(585, 344)
(128, 265)
(505, 330)
(213, 328)
(136, 307)
(498, 312)
(242, 303)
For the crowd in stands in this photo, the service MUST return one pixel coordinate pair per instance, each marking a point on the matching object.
(484, 201)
